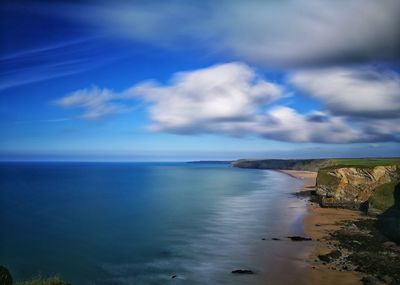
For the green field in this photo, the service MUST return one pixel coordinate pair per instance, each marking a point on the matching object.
(366, 161)
(385, 196)
(314, 164)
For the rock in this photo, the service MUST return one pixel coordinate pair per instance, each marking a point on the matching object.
(174, 276)
(352, 187)
(263, 239)
(369, 280)
(5, 276)
(390, 244)
(299, 238)
(386, 279)
(329, 257)
(275, 239)
(352, 227)
(242, 271)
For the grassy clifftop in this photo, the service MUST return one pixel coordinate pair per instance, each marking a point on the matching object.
(313, 164)
(295, 164)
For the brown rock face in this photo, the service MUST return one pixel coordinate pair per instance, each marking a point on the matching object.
(351, 187)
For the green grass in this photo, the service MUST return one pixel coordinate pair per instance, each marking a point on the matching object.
(315, 164)
(323, 178)
(383, 197)
(366, 161)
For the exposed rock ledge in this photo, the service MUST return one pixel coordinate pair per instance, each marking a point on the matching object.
(358, 187)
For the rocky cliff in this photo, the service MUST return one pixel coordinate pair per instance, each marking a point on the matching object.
(357, 187)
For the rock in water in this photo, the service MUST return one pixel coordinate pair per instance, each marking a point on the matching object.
(299, 238)
(5, 276)
(242, 271)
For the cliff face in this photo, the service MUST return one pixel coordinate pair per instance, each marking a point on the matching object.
(354, 187)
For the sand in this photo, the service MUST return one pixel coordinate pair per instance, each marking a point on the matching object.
(318, 223)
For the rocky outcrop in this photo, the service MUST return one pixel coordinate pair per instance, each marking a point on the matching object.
(352, 187)
(5, 276)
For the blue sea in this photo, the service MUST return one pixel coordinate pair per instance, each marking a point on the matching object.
(149, 223)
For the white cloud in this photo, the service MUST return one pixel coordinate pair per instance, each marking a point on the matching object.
(231, 99)
(195, 101)
(291, 32)
(357, 91)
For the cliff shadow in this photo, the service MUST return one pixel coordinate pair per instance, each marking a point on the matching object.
(388, 223)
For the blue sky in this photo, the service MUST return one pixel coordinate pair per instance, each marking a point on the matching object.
(183, 80)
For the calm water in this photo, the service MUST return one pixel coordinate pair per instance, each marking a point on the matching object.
(141, 223)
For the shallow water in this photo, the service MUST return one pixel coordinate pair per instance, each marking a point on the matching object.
(142, 223)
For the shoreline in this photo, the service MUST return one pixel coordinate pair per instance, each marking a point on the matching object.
(318, 223)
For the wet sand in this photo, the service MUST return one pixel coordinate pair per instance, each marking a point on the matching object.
(318, 223)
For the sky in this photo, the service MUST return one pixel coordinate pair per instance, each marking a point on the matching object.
(199, 80)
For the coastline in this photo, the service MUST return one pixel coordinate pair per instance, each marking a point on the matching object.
(318, 224)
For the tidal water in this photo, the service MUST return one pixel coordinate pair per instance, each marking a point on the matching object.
(143, 223)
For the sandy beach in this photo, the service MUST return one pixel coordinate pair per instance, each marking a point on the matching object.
(318, 223)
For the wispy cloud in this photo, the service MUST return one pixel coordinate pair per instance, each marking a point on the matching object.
(52, 61)
(56, 120)
(232, 99)
(95, 102)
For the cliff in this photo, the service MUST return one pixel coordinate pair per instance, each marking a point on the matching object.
(374, 189)
(358, 187)
(369, 184)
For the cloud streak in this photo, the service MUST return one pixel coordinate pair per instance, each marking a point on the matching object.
(53, 61)
(95, 102)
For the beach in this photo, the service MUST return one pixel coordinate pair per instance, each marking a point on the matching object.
(318, 224)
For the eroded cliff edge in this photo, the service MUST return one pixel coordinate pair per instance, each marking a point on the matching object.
(358, 187)
(373, 189)
(368, 184)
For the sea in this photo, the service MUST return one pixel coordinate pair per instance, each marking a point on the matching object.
(150, 223)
